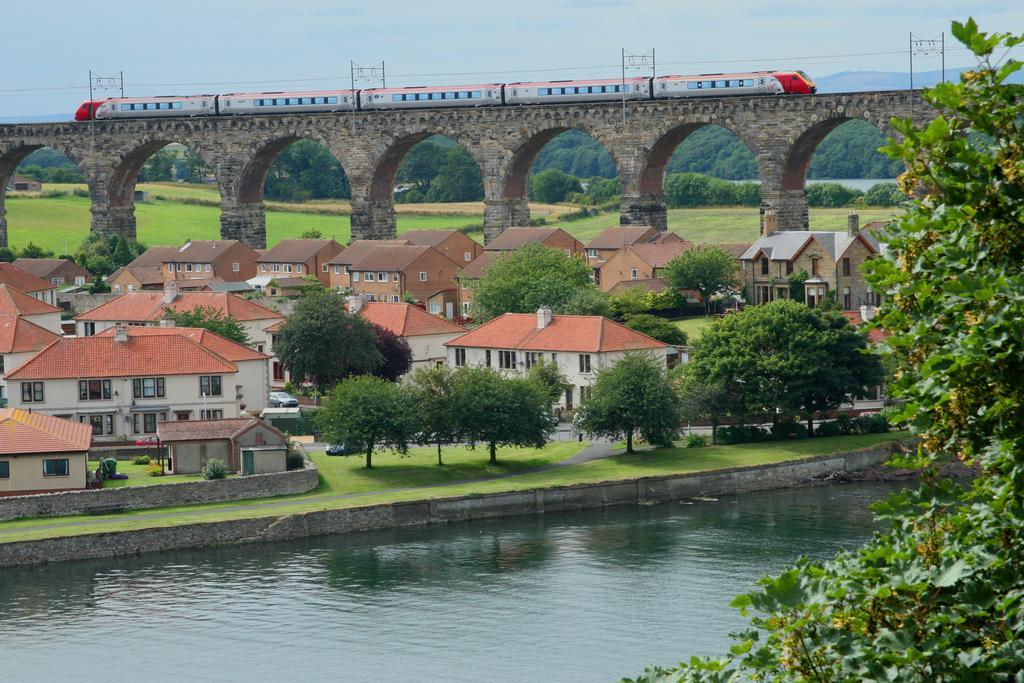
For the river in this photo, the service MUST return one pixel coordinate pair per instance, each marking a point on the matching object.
(589, 596)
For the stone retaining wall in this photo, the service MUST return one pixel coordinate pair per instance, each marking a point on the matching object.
(443, 510)
(98, 501)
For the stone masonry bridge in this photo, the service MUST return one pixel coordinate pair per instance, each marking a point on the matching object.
(782, 132)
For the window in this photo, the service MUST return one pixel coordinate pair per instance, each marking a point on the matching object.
(585, 393)
(789, 267)
(211, 414)
(323, 268)
(337, 270)
(278, 371)
(89, 329)
(188, 267)
(507, 360)
(5, 469)
(394, 277)
(332, 100)
(298, 267)
(584, 363)
(94, 390)
(207, 267)
(148, 387)
(170, 267)
(532, 358)
(275, 268)
(287, 267)
(592, 253)
(764, 266)
(487, 357)
(465, 308)
(846, 266)
(633, 273)
(692, 85)
(183, 415)
(394, 298)
(56, 467)
(467, 257)
(1, 364)
(355, 276)
(56, 280)
(235, 267)
(435, 307)
(846, 298)
(460, 357)
(814, 266)
(177, 267)
(96, 422)
(369, 277)
(210, 385)
(31, 392)
(382, 277)
(423, 276)
(554, 358)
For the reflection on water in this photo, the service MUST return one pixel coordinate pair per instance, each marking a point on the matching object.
(587, 596)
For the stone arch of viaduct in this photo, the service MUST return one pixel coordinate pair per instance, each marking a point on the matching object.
(781, 132)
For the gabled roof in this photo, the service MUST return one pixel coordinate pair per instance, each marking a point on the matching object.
(222, 346)
(144, 275)
(570, 333)
(391, 257)
(154, 256)
(139, 356)
(665, 236)
(734, 249)
(513, 238)
(43, 267)
(22, 432)
(199, 251)
(657, 255)
(359, 248)
(200, 430)
(149, 306)
(16, 302)
(14, 276)
(407, 320)
(475, 268)
(294, 251)
(621, 235)
(788, 245)
(18, 335)
(428, 238)
(654, 284)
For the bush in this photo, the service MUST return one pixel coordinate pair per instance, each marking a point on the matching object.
(787, 430)
(141, 460)
(695, 441)
(741, 434)
(829, 429)
(215, 469)
(294, 461)
(155, 470)
(830, 194)
(874, 423)
(884, 194)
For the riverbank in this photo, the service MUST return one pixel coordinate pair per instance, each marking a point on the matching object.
(414, 507)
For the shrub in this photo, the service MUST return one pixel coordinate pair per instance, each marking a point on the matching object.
(79, 192)
(875, 423)
(215, 469)
(829, 429)
(155, 470)
(788, 430)
(741, 434)
(141, 460)
(695, 441)
(294, 461)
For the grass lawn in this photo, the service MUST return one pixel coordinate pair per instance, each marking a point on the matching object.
(137, 476)
(343, 475)
(692, 326)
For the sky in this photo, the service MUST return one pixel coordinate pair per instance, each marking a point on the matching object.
(195, 46)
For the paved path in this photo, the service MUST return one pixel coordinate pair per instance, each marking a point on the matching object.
(596, 450)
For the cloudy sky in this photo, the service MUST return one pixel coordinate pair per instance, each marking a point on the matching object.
(189, 46)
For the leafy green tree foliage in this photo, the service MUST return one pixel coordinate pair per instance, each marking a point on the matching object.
(395, 352)
(830, 194)
(937, 596)
(322, 343)
(7, 255)
(884, 194)
(598, 191)
(852, 151)
(33, 250)
(103, 254)
(700, 400)
(212, 319)
(656, 327)
(634, 396)
(432, 392)
(552, 186)
(422, 164)
(306, 170)
(695, 189)
(587, 301)
(367, 413)
(526, 279)
(714, 151)
(50, 166)
(550, 379)
(708, 270)
(159, 167)
(191, 168)
(459, 179)
(576, 153)
(499, 411)
(637, 300)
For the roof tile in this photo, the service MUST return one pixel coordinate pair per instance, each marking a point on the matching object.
(571, 333)
(18, 335)
(13, 301)
(407, 320)
(148, 306)
(24, 432)
(14, 276)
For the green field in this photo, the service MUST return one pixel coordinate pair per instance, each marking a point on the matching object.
(692, 326)
(344, 484)
(56, 223)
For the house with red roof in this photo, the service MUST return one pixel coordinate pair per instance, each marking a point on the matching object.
(640, 261)
(17, 303)
(41, 454)
(124, 382)
(36, 287)
(20, 339)
(580, 345)
(426, 334)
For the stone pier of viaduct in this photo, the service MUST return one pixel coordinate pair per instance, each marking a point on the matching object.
(782, 132)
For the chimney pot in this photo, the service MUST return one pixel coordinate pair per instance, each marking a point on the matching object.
(769, 222)
(543, 317)
(170, 292)
(853, 224)
(120, 333)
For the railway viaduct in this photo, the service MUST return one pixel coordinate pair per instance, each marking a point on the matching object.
(782, 132)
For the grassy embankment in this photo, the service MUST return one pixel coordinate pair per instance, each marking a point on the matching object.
(344, 483)
(50, 221)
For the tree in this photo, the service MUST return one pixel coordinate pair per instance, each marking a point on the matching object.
(656, 327)
(708, 270)
(103, 254)
(587, 301)
(367, 413)
(499, 411)
(395, 354)
(550, 379)
(701, 401)
(212, 319)
(459, 179)
(311, 234)
(432, 391)
(159, 167)
(552, 186)
(421, 165)
(195, 169)
(526, 279)
(322, 343)
(7, 255)
(306, 170)
(936, 595)
(634, 396)
(32, 250)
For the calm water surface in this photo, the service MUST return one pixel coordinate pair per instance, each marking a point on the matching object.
(586, 596)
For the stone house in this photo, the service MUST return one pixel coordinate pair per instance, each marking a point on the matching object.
(338, 267)
(426, 334)
(22, 280)
(513, 238)
(454, 244)
(41, 454)
(831, 260)
(123, 383)
(59, 271)
(637, 262)
(299, 258)
(580, 345)
(227, 260)
(20, 183)
(246, 445)
(389, 272)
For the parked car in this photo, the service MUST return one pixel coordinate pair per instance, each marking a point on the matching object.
(338, 449)
(282, 399)
(150, 440)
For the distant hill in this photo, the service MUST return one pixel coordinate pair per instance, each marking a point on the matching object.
(38, 118)
(859, 81)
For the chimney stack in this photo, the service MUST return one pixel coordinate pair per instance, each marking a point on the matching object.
(167, 323)
(120, 333)
(354, 303)
(853, 224)
(868, 312)
(769, 222)
(543, 317)
(170, 292)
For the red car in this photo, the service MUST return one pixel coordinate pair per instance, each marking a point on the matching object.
(151, 440)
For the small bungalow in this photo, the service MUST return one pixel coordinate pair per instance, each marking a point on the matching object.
(41, 453)
(247, 445)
